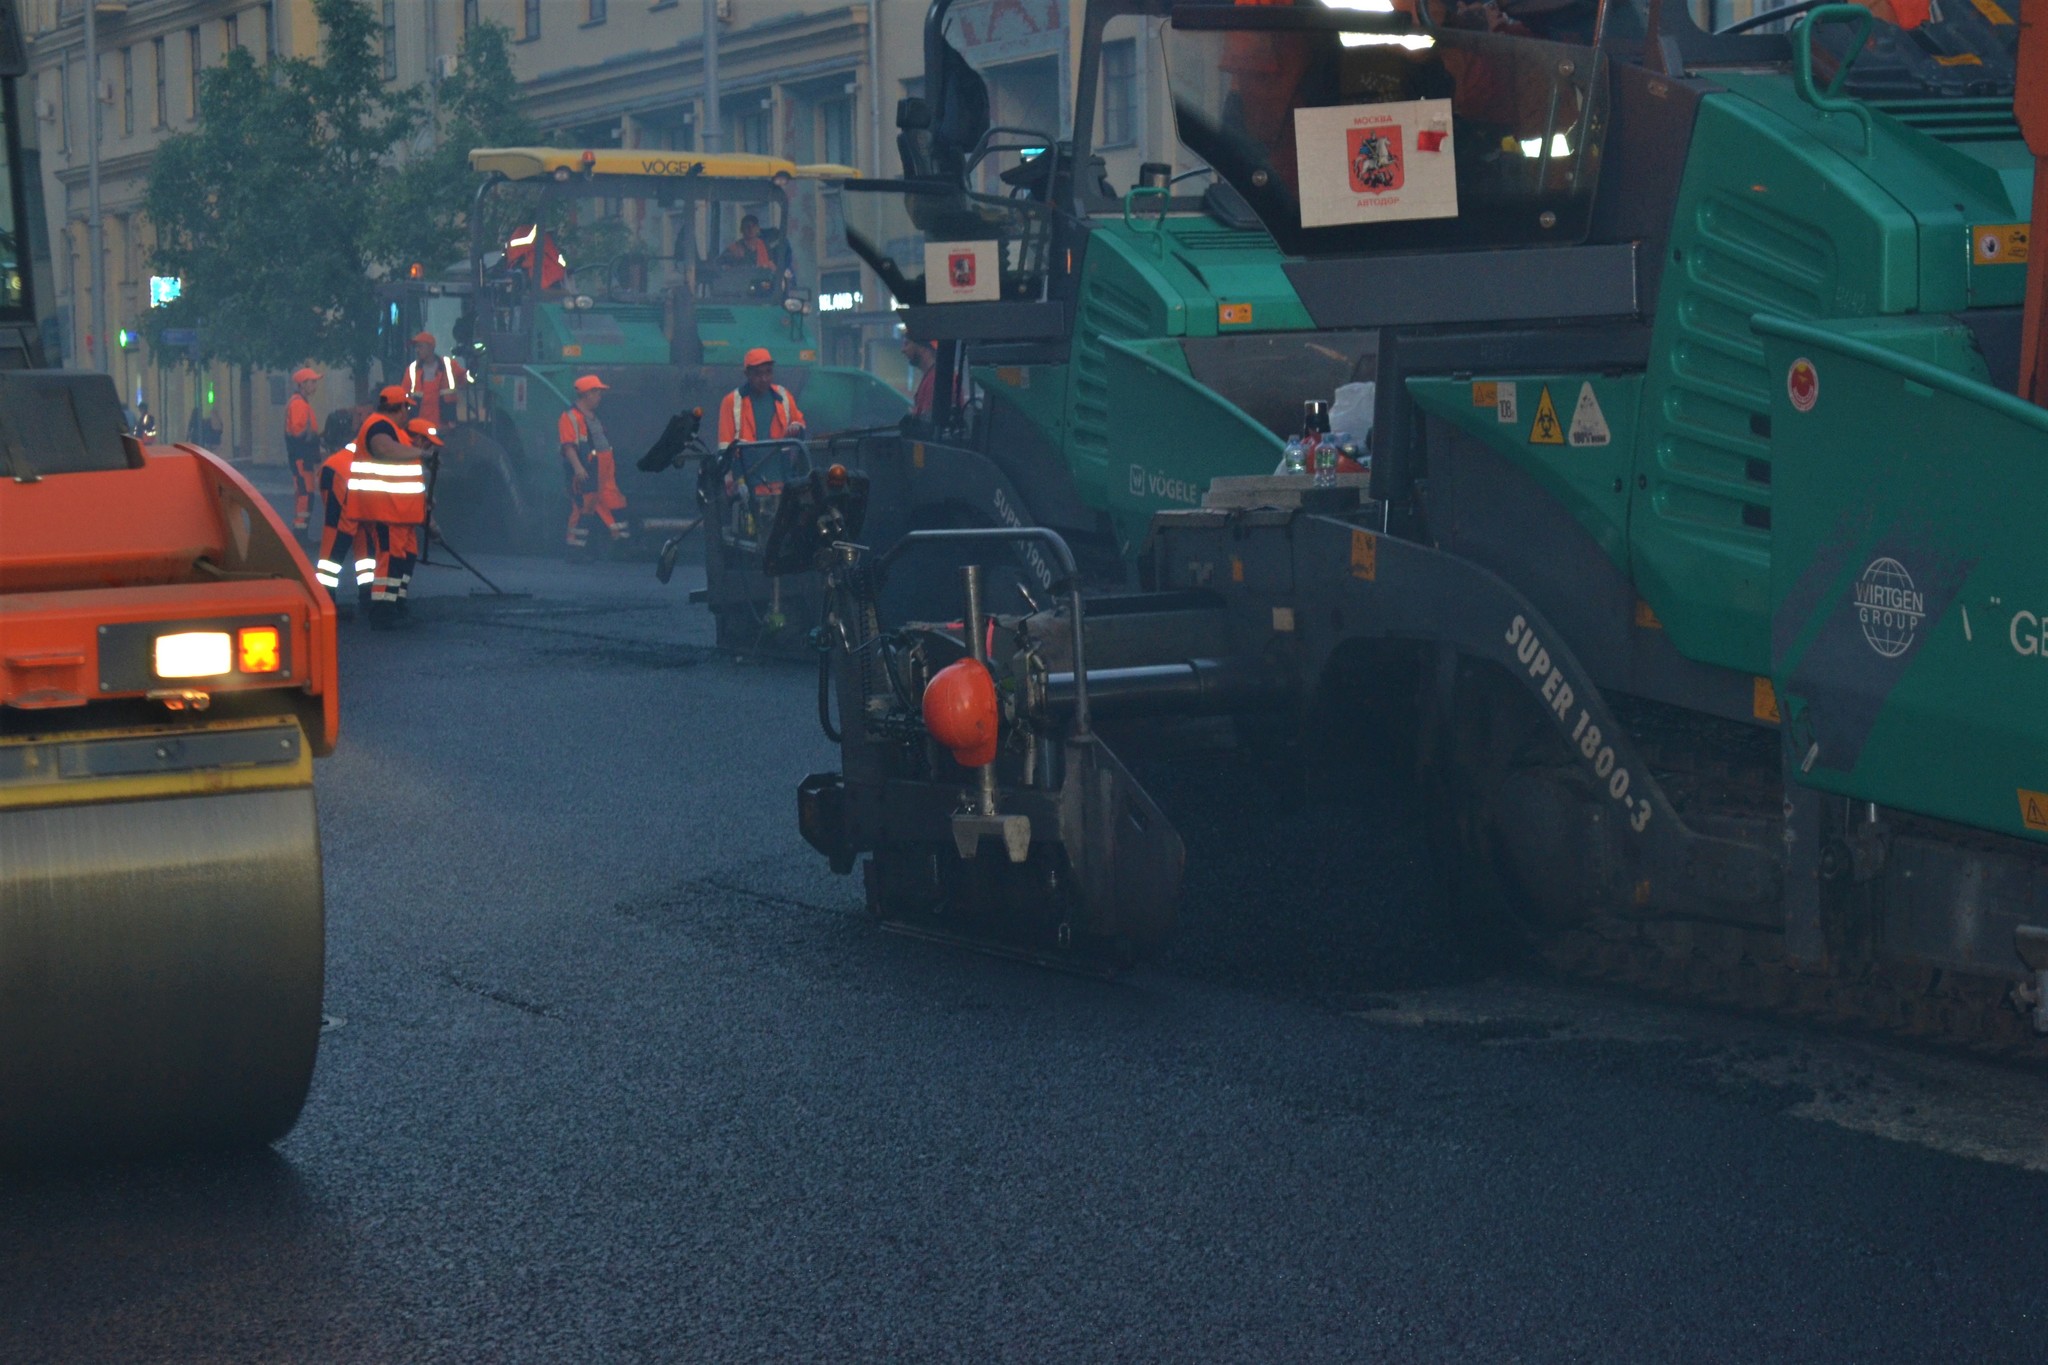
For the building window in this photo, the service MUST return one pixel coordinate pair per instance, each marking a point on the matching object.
(750, 132)
(127, 92)
(835, 132)
(1119, 93)
(230, 33)
(163, 99)
(269, 30)
(596, 12)
(532, 30)
(390, 40)
(64, 103)
(470, 18)
(192, 47)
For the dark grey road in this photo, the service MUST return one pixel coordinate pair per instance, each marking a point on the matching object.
(624, 1073)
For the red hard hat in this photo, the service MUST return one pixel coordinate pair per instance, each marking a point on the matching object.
(394, 396)
(427, 337)
(960, 712)
(425, 430)
(590, 383)
(303, 373)
(760, 355)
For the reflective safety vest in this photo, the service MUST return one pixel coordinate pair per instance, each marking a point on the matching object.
(736, 416)
(441, 383)
(382, 489)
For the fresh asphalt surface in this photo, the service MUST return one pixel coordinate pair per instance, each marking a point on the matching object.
(621, 1072)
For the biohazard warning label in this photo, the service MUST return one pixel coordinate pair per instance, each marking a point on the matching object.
(1589, 424)
(1369, 163)
(2034, 810)
(1545, 430)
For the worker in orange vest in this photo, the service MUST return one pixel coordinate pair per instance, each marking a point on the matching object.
(387, 489)
(749, 249)
(302, 443)
(760, 409)
(440, 381)
(338, 531)
(587, 460)
(398, 543)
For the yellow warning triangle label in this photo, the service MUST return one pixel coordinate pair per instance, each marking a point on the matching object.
(1546, 430)
(2034, 810)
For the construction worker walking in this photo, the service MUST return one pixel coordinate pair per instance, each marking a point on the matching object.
(387, 489)
(302, 444)
(760, 409)
(589, 467)
(440, 381)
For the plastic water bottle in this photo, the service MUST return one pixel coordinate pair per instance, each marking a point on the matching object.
(1294, 460)
(1326, 463)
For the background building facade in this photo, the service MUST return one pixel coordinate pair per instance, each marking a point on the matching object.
(814, 82)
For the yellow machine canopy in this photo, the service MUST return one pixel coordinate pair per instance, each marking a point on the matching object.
(709, 175)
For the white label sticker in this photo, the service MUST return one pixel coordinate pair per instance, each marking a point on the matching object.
(1504, 409)
(962, 272)
(1589, 424)
(1376, 163)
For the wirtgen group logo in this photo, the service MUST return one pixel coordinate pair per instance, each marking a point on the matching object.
(1889, 607)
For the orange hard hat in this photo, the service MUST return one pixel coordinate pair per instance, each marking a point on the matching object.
(427, 337)
(960, 712)
(425, 430)
(760, 355)
(394, 396)
(303, 373)
(590, 383)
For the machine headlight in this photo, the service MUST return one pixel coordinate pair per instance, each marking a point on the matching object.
(793, 305)
(194, 654)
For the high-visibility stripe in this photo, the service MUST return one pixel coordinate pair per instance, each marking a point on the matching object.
(363, 580)
(365, 564)
(386, 486)
(328, 566)
(409, 469)
(328, 580)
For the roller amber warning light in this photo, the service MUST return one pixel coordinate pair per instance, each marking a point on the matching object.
(194, 654)
(259, 650)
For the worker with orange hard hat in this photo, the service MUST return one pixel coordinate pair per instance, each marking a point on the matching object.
(387, 489)
(302, 444)
(398, 543)
(588, 465)
(439, 380)
(760, 409)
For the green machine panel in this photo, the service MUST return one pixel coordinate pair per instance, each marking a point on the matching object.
(1909, 583)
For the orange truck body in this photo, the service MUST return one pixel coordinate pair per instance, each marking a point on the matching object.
(181, 538)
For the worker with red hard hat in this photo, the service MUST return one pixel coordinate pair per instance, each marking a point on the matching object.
(760, 409)
(588, 465)
(387, 488)
(441, 381)
(302, 444)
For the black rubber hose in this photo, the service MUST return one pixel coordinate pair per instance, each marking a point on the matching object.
(825, 695)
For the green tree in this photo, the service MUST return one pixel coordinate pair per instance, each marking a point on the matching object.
(265, 210)
(424, 214)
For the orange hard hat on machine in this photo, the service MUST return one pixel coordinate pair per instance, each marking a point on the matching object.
(960, 712)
